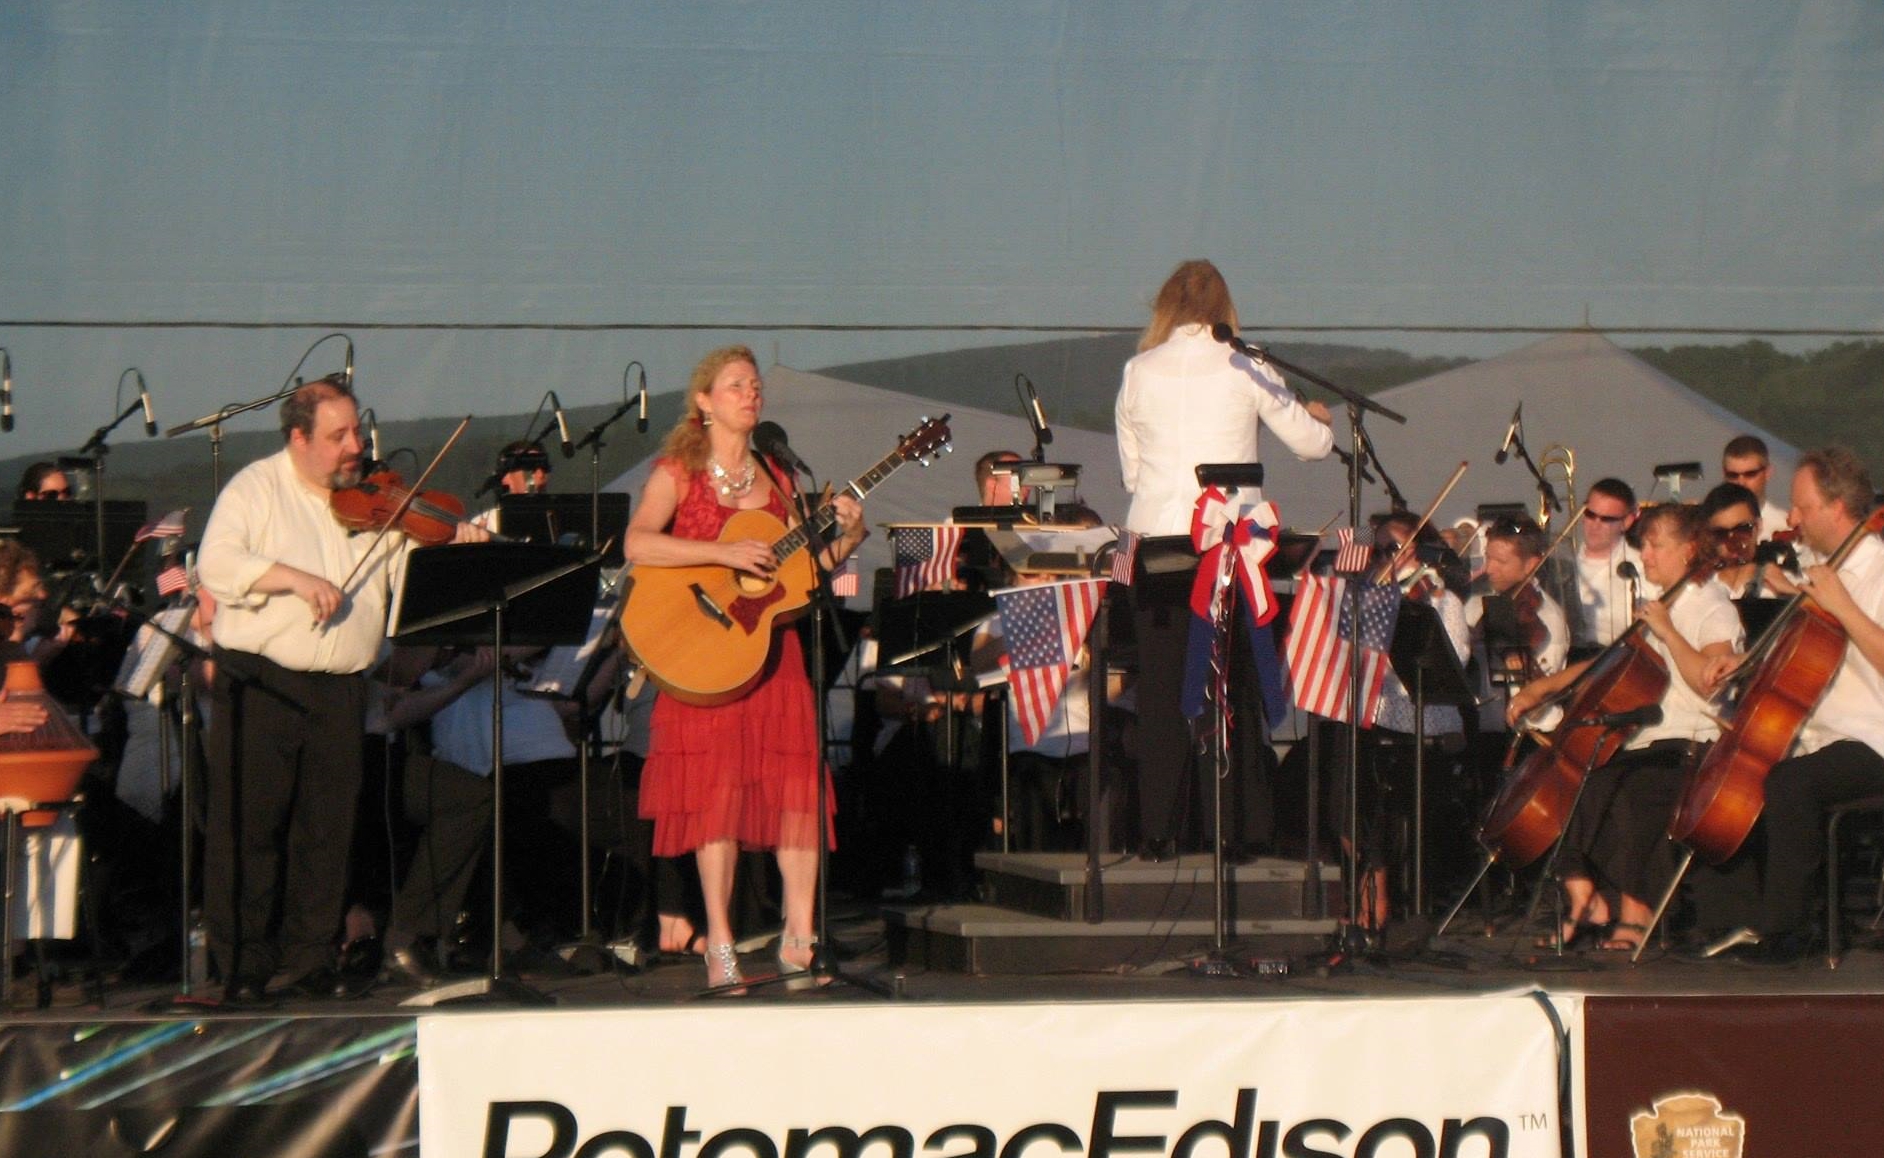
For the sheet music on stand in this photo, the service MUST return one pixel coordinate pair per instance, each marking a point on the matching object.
(567, 668)
(152, 652)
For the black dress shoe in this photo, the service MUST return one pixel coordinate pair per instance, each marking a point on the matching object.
(323, 983)
(406, 967)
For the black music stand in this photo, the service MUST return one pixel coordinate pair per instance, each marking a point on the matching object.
(586, 953)
(501, 594)
(572, 518)
(924, 633)
(1423, 658)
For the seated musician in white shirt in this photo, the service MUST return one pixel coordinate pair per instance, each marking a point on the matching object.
(1615, 841)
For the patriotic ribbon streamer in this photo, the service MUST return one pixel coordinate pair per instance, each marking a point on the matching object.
(1249, 529)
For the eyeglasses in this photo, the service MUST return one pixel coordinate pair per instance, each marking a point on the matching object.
(1604, 518)
(1737, 529)
(1737, 475)
(56, 493)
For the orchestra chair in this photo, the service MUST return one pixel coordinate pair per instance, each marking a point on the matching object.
(1834, 894)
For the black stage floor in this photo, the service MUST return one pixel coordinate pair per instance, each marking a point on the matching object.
(1148, 968)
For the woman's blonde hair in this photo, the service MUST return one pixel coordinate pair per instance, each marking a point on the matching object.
(686, 443)
(1195, 293)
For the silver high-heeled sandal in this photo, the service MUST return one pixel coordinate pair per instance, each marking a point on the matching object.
(722, 966)
(798, 976)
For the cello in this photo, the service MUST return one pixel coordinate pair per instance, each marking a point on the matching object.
(1791, 664)
(1530, 812)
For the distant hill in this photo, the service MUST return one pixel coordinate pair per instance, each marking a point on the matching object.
(1078, 378)
(1811, 398)
(172, 473)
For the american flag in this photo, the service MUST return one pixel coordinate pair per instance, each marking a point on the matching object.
(168, 527)
(1320, 647)
(1351, 558)
(924, 557)
(173, 579)
(1125, 557)
(1044, 627)
(844, 582)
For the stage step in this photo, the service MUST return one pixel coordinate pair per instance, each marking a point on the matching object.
(1053, 884)
(1034, 919)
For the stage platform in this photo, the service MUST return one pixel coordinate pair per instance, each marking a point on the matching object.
(99, 1069)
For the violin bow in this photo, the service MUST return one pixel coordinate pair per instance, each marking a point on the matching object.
(412, 492)
(1392, 565)
(1555, 543)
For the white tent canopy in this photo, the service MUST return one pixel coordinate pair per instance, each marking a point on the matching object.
(1620, 416)
(842, 429)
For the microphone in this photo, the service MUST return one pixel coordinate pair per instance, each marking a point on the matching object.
(1223, 333)
(1035, 415)
(562, 425)
(6, 390)
(1627, 572)
(492, 482)
(1646, 716)
(1511, 435)
(769, 438)
(641, 420)
(143, 396)
(371, 419)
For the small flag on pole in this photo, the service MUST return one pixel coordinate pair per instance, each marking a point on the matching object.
(1125, 557)
(924, 558)
(172, 580)
(1351, 558)
(168, 527)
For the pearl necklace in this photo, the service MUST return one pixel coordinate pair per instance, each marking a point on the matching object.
(728, 486)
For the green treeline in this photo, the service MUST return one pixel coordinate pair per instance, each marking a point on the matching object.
(1809, 399)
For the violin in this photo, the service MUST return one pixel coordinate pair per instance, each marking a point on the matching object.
(382, 499)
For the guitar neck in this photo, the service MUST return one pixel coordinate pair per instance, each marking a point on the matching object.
(825, 516)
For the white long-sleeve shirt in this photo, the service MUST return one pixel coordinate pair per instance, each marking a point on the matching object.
(268, 515)
(1191, 400)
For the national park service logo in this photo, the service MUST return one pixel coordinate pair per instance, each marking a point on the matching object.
(1688, 1126)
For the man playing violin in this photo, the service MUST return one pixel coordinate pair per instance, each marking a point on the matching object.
(1839, 755)
(1514, 550)
(1615, 836)
(289, 695)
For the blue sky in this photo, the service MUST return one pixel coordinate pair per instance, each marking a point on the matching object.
(1681, 163)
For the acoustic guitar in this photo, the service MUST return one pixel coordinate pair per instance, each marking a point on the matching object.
(703, 632)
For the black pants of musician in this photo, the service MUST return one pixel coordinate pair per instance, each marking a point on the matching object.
(1618, 834)
(1799, 792)
(284, 779)
(452, 806)
(1167, 763)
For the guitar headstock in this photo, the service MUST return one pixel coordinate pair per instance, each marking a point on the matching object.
(926, 441)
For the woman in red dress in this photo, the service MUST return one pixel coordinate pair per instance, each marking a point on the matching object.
(744, 773)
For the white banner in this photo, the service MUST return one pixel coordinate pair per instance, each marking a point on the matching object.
(1470, 1077)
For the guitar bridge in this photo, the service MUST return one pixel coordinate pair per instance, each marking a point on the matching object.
(706, 604)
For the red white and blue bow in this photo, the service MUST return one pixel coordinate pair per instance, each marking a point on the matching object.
(1248, 528)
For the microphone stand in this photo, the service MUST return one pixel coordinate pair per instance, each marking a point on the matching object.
(96, 448)
(593, 440)
(1547, 492)
(824, 966)
(1386, 480)
(1349, 937)
(213, 422)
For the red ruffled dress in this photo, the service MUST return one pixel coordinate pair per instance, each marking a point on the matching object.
(745, 770)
